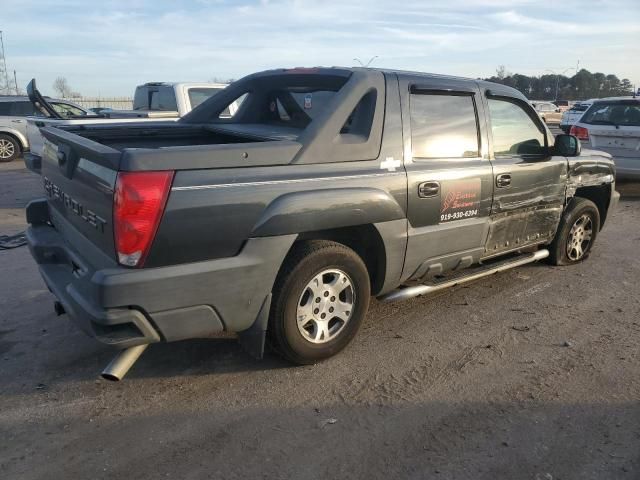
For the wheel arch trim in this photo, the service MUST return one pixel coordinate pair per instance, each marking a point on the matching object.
(19, 137)
(326, 209)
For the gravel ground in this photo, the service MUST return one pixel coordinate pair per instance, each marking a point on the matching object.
(529, 374)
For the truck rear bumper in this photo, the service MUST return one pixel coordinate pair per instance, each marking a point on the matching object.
(127, 307)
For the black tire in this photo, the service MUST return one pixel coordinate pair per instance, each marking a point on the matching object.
(9, 148)
(305, 262)
(559, 251)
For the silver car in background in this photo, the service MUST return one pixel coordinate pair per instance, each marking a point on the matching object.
(613, 125)
(14, 110)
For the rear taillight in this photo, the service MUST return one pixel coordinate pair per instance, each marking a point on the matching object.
(138, 204)
(580, 132)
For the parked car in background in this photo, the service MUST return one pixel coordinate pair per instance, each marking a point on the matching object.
(613, 126)
(572, 115)
(547, 111)
(563, 105)
(99, 110)
(153, 102)
(46, 113)
(14, 111)
(173, 97)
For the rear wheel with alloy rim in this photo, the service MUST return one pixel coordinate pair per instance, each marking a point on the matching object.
(325, 306)
(319, 301)
(9, 148)
(576, 233)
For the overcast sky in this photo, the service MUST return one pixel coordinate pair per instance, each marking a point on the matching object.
(108, 47)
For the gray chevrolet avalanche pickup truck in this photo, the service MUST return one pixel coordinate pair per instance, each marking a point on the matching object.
(327, 186)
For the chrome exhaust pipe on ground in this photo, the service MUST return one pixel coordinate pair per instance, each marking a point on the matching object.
(121, 364)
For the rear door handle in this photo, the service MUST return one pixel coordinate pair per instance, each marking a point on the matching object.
(503, 180)
(17, 121)
(428, 189)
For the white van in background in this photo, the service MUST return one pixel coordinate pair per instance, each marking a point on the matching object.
(612, 125)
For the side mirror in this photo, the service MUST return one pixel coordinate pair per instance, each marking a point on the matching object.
(558, 110)
(567, 145)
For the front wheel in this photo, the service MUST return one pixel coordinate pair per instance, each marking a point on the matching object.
(320, 299)
(576, 233)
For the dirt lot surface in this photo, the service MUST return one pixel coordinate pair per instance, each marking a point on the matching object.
(529, 374)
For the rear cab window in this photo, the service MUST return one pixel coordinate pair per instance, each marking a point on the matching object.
(620, 113)
(296, 107)
(289, 101)
(159, 98)
(443, 126)
(514, 131)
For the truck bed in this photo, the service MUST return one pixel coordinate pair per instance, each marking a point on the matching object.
(162, 136)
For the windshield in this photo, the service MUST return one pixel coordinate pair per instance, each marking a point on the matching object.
(67, 110)
(618, 113)
(157, 98)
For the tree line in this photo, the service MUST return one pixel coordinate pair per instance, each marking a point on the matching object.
(581, 86)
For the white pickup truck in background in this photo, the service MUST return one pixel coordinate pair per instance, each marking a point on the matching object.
(153, 102)
(179, 98)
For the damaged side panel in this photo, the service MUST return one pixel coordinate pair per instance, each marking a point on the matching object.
(590, 169)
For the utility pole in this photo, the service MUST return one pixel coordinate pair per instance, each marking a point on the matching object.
(4, 75)
(558, 78)
(15, 82)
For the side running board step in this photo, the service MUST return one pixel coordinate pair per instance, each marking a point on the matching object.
(415, 291)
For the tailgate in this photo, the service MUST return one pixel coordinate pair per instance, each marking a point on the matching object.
(79, 177)
(619, 142)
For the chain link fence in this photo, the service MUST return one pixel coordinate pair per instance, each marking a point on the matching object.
(117, 103)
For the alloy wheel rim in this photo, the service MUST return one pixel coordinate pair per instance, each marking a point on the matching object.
(6, 149)
(580, 237)
(325, 306)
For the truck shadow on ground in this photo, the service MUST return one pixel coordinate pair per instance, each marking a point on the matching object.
(202, 357)
(431, 439)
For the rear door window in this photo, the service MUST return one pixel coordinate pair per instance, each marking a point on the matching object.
(22, 109)
(514, 131)
(443, 126)
(617, 114)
